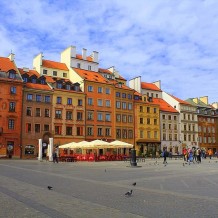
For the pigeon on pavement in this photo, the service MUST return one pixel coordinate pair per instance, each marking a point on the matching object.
(50, 187)
(129, 193)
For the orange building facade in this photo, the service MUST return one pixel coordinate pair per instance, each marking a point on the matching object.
(11, 92)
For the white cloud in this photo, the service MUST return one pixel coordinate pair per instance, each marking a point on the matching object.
(172, 41)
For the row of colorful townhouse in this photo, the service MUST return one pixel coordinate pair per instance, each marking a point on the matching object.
(75, 100)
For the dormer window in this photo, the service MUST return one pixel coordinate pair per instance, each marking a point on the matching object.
(76, 88)
(89, 67)
(25, 79)
(59, 85)
(68, 87)
(78, 65)
(43, 81)
(55, 73)
(12, 74)
(33, 80)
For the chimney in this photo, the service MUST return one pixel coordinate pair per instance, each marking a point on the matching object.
(95, 56)
(158, 84)
(204, 99)
(11, 57)
(73, 51)
(84, 53)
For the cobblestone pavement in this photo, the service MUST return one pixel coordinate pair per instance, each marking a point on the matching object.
(97, 189)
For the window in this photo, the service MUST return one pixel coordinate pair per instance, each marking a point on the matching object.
(118, 133)
(175, 137)
(38, 98)
(68, 130)
(59, 85)
(45, 72)
(29, 149)
(107, 91)
(100, 131)
(141, 121)
(170, 137)
(130, 106)
(12, 106)
(47, 99)
(148, 134)
(107, 103)
(164, 126)
(79, 131)
(118, 117)
(100, 117)
(124, 118)
(13, 90)
(107, 131)
(100, 102)
(59, 100)
(33, 80)
(90, 115)
(141, 134)
(169, 117)
(69, 115)
(129, 96)
(79, 115)
(29, 111)
(123, 95)
(107, 117)
(69, 101)
(90, 131)
(148, 109)
(130, 134)
(47, 113)
(68, 87)
(90, 88)
(89, 67)
(37, 128)
(155, 121)
(12, 75)
(124, 134)
(164, 136)
(155, 134)
(175, 126)
(185, 137)
(169, 126)
(46, 127)
(185, 127)
(124, 105)
(148, 121)
(25, 79)
(118, 104)
(130, 119)
(57, 130)
(29, 97)
(64, 74)
(58, 114)
(117, 94)
(80, 102)
(175, 118)
(155, 110)
(78, 65)
(100, 90)
(163, 117)
(28, 127)
(38, 112)
(55, 73)
(141, 108)
(90, 101)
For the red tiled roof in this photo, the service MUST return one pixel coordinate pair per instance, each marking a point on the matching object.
(37, 86)
(149, 86)
(164, 106)
(54, 65)
(6, 64)
(88, 58)
(30, 72)
(91, 75)
(179, 100)
(101, 70)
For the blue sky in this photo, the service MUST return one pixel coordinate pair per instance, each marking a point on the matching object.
(175, 41)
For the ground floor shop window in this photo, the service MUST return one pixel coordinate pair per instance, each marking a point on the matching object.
(29, 149)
